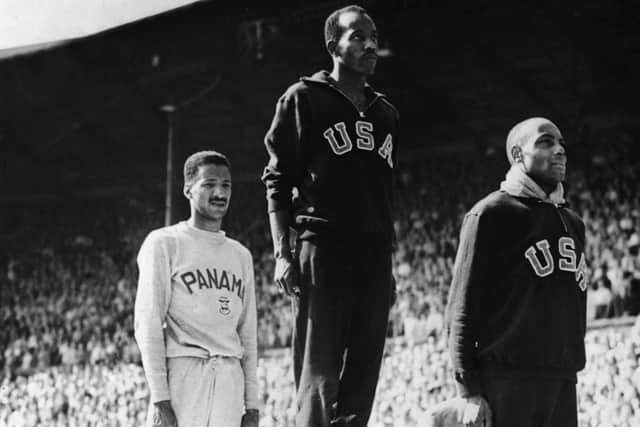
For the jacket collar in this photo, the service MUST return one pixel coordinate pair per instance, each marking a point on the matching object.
(324, 77)
(518, 184)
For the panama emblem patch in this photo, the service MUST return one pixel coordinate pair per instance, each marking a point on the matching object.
(224, 305)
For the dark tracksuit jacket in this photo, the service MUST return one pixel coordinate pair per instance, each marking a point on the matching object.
(340, 161)
(517, 301)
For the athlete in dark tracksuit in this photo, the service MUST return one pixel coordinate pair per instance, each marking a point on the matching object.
(341, 163)
(516, 312)
(332, 149)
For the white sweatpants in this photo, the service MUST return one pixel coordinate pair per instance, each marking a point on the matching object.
(206, 392)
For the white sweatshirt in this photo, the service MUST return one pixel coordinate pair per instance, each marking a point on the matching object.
(200, 286)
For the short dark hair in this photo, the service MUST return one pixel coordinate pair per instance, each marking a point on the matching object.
(201, 158)
(332, 28)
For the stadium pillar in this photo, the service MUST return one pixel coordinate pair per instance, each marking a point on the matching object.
(169, 215)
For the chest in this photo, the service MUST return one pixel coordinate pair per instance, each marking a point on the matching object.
(550, 244)
(207, 273)
(359, 100)
(345, 136)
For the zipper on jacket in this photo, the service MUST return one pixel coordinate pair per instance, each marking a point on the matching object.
(564, 224)
(375, 98)
(360, 113)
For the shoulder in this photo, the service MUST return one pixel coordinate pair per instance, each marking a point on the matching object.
(498, 212)
(387, 106)
(239, 248)
(573, 216)
(295, 97)
(382, 102)
(297, 89)
(496, 203)
(161, 237)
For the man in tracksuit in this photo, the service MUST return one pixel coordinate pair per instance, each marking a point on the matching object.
(516, 311)
(195, 311)
(332, 150)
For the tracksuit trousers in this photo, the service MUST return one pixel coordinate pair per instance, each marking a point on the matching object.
(531, 401)
(205, 392)
(340, 328)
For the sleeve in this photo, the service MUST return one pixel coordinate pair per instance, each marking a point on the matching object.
(396, 143)
(282, 141)
(248, 332)
(583, 275)
(150, 310)
(464, 310)
(395, 158)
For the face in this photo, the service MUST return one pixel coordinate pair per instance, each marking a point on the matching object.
(357, 46)
(545, 158)
(210, 192)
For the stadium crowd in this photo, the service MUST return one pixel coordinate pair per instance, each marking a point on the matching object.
(413, 377)
(66, 298)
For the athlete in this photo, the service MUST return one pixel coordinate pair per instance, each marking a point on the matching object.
(195, 311)
(516, 314)
(333, 144)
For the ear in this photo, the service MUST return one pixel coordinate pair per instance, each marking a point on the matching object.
(187, 191)
(516, 153)
(331, 46)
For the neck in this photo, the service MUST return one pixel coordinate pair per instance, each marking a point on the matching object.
(198, 221)
(548, 188)
(347, 79)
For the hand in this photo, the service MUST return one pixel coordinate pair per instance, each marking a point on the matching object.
(475, 412)
(163, 415)
(251, 418)
(286, 275)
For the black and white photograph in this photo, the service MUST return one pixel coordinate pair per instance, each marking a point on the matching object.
(319, 213)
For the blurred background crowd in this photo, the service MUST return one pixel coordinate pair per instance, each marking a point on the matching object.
(68, 282)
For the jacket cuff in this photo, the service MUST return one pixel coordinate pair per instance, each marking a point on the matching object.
(468, 384)
(274, 205)
(159, 388)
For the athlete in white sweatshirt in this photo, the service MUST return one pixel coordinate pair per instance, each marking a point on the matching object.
(195, 311)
